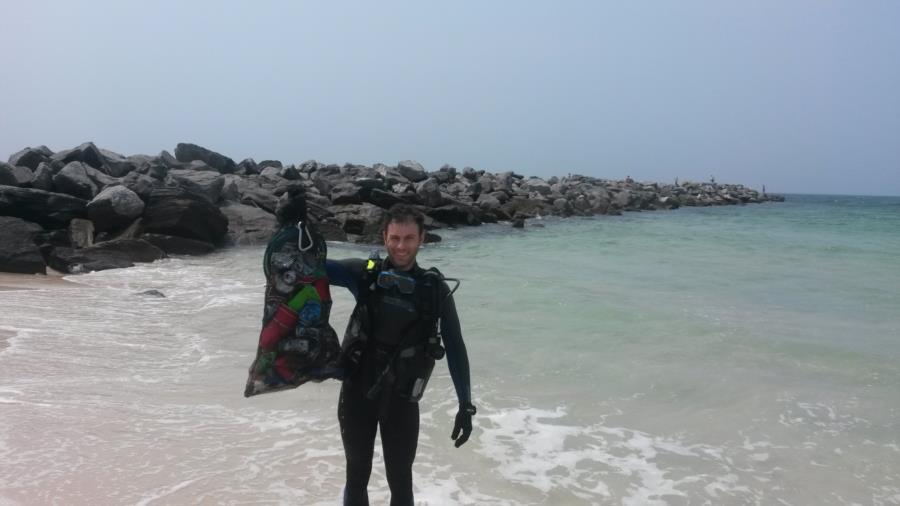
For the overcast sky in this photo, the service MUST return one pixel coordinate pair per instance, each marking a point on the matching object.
(802, 96)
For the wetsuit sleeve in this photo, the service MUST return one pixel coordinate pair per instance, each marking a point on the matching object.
(457, 358)
(348, 273)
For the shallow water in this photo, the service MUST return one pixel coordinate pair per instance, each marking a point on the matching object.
(736, 355)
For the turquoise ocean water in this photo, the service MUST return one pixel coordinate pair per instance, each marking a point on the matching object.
(729, 355)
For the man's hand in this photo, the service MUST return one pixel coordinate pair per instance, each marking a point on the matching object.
(463, 424)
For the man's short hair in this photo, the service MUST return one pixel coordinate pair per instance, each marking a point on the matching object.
(403, 213)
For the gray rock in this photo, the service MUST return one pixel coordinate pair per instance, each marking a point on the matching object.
(43, 178)
(132, 231)
(248, 224)
(308, 166)
(73, 180)
(537, 185)
(361, 222)
(172, 245)
(523, 206)
(31, 157)
(186, 153)
(487, 201)
(347, 193)
(290, 173)
(114, 207)
(620, 199)
(270, 172)
(455, 214)
(412, 170)
(390, 175)
(87, 153)
(384, 199)
(486, 183)
(48, 209)
(81, 233)
(208, 184)
(102, 256)
(248, 166)
(175, 211)
(15, 176)
(270, 163)
(141, 184)
(503, 182)
(169, 161)
(429, 191)
(562, 206)
(18, 251)
(260, 198)
(117, 165)
(231, 190)
(151, 293)
(445, 175)
(157, 171)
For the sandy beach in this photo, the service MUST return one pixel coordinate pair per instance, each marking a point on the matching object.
(9, 281)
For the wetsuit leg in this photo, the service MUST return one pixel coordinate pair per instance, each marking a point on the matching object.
(358, 418)
(399, 437)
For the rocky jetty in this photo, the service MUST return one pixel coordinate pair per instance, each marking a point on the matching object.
(88, 208)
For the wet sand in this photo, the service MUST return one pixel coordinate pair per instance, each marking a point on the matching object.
(9, 281)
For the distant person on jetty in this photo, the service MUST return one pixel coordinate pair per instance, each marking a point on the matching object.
(390, 347)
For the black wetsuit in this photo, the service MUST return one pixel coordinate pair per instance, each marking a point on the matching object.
(394, 314)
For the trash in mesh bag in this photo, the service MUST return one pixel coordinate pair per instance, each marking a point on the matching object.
(296, 344)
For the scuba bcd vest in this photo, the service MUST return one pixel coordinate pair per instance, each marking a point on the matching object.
(402, 358)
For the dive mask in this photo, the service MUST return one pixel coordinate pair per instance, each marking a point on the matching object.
(390, 279)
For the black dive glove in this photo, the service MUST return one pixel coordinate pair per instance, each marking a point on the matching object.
(463, 424)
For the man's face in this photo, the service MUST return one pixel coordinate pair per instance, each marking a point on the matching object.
(402, 241)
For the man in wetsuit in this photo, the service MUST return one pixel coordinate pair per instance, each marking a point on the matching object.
(390, 346)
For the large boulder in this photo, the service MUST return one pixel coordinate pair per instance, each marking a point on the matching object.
(31, 157)
(206, 183)
(390, 175)
(429, 191)
(18, 252)
(231, 189)
(141, 184)
(248, 224)
(86, 153)
(187, 153)
(178, 212)
(106, 255)
(117, 165)
(43, 178)
(537, 185)
(14, 175)
(455, 213)
(361, 222)
(114, 207)
(412, 170)
(259, 198)
(384, 199)
(523, 206)
(247, 166)
(348, 193)
(80, 181)
(51, 210)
